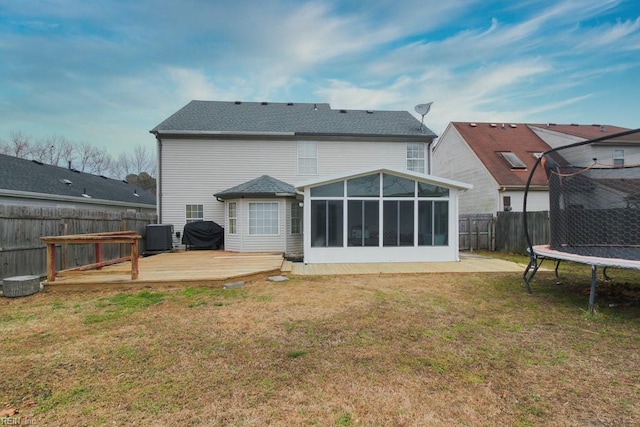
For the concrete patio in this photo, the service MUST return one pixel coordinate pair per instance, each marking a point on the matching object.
(469, 263)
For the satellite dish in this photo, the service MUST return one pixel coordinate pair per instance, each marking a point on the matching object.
(423, 109)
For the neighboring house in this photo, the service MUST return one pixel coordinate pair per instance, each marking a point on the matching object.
(302, 178)
(497, 158)
(31, 183)
(613, 153)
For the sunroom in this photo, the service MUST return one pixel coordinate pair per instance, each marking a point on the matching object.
(381, 215)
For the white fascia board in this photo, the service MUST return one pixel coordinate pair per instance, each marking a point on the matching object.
(431, 179)
(62, 198)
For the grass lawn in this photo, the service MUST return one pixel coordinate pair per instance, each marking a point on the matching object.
(398, 350)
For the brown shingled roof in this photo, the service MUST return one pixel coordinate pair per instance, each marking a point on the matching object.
(489, 140)
(583, 131)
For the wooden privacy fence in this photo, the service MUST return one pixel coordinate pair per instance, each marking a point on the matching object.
(504, 233)
(510, 233)
(476, 232)
(21, 227)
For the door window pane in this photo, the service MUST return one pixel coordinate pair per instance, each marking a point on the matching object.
(326, 223)
(363, 223)
(425, 223)
(441, 223)
(398, 223)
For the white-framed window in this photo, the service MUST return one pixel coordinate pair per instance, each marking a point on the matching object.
(618, 158)
(232, 212)
(415, 157)
(263, 218)
(307, 158)
(296, 218)
(194, 213)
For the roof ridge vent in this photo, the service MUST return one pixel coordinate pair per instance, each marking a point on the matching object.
(493, 125)
(513, 125)
(264, 103)
(473, 125)
(289, 103)
(343, 111)
(238, 102)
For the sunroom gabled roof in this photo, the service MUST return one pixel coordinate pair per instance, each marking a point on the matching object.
(263, 186)
(431, 179)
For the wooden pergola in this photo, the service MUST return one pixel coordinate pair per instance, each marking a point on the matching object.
(97, 239)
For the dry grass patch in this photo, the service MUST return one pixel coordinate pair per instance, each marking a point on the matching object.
(424, 349)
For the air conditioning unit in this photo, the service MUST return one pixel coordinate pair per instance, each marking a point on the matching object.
(159, 237)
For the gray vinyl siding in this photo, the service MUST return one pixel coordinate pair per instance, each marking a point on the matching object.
(453, 159)
(195, 169)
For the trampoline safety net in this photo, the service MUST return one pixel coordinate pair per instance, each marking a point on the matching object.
(594, 208)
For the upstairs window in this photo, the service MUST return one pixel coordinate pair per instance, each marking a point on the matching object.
(194, 213)
(513, 160)
(307, 158)
(415, 157)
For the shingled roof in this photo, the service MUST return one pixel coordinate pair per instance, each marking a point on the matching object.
(263, 186)
(222, 117)
(582, 131)
(20, 175)
(489, 140)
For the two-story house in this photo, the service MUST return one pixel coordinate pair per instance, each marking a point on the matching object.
(498, 157)
(303, 178)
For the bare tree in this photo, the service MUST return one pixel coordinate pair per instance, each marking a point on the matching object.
(59, 151)
(92, 159)
(122, 166)
(53, 150)
(19, 145)
(142, 160)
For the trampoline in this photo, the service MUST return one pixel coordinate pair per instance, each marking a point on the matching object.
(594, 207)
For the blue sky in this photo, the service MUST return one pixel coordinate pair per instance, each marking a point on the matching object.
(106, 72)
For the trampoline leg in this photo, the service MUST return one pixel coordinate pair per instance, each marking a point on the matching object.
(530, 271)
(592, 294)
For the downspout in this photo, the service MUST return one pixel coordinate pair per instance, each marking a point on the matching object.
(429, 155)
(159, 181)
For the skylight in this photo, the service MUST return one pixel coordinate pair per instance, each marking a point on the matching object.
(513, 160)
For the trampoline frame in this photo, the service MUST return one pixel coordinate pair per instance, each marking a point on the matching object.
(539, 253)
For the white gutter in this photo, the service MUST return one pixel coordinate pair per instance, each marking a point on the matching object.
(62, 198)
